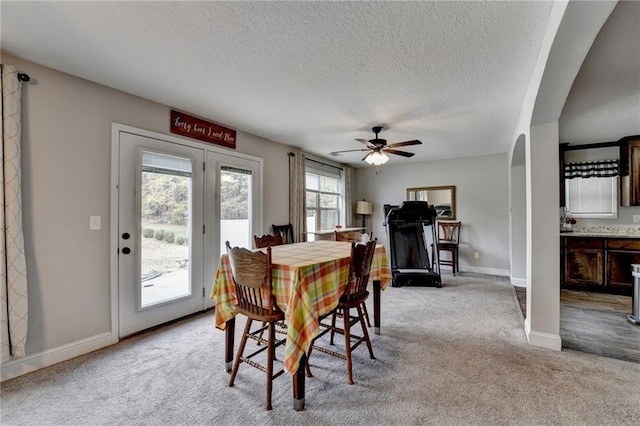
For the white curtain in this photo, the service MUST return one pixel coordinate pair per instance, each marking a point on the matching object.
(297, 195)
(14, 269)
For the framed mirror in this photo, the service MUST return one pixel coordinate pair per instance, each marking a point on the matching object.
(442, 197)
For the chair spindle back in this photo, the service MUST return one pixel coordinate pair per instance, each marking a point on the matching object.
(449, 232)
(251, 273)
(268, 240)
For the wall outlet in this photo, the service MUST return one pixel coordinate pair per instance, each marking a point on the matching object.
(636, 218)
(476, 255)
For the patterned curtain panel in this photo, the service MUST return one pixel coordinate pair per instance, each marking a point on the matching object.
(589, 169)
(297, 197)
(14, 269)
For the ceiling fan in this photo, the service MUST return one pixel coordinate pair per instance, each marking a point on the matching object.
(378, 149)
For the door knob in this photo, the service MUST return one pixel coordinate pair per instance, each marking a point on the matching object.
(126, 250)
(125, 236)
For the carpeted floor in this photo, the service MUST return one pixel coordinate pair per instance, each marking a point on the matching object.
(450, 356)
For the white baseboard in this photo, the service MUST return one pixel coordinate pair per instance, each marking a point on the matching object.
(518, 282)
(20, 366)
(542, 340)
(486, 271)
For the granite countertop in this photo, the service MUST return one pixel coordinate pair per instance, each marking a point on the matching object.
(598, 235)
(625, 231)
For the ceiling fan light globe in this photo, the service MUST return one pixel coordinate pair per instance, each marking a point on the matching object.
(377, 158)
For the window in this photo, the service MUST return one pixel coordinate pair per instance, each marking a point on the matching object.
(594, 197)
(591, 189)
(323, 199)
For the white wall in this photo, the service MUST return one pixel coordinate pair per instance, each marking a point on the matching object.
(543, 266)
(604, 102)
(482, 195)
(66, 178)
(518, 226)
(570, 32)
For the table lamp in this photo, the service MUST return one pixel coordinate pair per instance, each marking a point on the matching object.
(364, 208)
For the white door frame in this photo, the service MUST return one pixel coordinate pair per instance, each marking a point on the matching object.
(212, 250)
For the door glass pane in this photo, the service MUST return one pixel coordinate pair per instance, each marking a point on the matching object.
(235, 205)
(165, 215)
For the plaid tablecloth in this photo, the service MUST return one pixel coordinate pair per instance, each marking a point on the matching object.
(308, 279)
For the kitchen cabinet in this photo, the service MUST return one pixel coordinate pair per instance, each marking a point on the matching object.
(621, 254)
(599, 263)
(630, 171)
(584, 262)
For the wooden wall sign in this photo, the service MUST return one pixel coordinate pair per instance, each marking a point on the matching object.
(192, 127)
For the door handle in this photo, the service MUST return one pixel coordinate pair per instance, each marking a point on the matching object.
(126, 250)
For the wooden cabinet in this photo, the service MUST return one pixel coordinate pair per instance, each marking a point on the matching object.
(584, 262)
(621, 254)
(630, 171)
(600, 264)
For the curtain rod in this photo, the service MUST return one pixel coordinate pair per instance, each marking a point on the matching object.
(24, 77)
(324, 164)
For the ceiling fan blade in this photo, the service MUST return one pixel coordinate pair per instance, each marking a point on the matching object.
(396, 152)
(348, 150)
(405, 143)
(367, 143)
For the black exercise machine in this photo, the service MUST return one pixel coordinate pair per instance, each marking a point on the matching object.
(406, 225)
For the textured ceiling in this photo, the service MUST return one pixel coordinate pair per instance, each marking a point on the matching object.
(315, 75)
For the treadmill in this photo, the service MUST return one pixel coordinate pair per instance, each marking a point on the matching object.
(408, 225)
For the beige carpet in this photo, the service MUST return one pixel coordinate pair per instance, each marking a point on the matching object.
(455, 355)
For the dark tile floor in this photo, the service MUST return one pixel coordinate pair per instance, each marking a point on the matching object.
(595, 323)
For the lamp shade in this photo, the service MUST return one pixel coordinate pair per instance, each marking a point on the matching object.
(364, 207)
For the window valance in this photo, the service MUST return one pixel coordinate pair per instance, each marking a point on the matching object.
(589, 169)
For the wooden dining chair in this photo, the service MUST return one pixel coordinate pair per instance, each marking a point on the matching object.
(264, 241)
(354, 295)
(355, 237)
(268, 240)
(251, 273)
(448, 241)
(286, 231)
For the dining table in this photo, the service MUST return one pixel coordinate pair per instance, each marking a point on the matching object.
(308, 279)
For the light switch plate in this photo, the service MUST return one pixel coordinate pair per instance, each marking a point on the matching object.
(95, 223)
(636, 218)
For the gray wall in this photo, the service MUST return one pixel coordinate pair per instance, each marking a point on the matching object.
(604, 102)
(482, 196)
(66, 172)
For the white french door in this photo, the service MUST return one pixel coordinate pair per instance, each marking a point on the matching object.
(238, 203)
(160, 232)
(176, 202)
